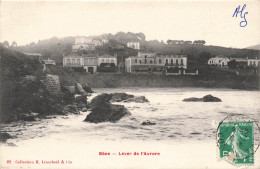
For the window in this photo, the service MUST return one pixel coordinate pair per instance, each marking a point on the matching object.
(102, 61)
(90, 60)
(160, 60)
(135, 60)
(140, 61)
(145, 61)
(181, 61)
(166, 61)
(73, 61)
(112, 61)
(85, 61)
(171, 61)
(107, 60)
(151, 61)
(78, 61)
(68, 61)
(145, 56)
(177, 61)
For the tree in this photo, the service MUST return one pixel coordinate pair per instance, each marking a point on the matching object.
(14, 44)
(32, 44)
(169, 42)
(232, 64)
(6, 44)
(204, 57)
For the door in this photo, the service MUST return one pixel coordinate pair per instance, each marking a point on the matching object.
(91, 70)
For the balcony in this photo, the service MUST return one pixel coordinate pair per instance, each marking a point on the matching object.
(72, 65)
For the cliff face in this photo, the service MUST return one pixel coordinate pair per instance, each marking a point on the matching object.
(27, 92)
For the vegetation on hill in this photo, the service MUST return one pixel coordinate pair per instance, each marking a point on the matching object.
(54, 48)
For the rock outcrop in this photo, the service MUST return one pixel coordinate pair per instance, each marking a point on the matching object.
(107, 112)
(86, 87)
(148, 122)
(104, 111)
(52, 84)
(26, 92)
(140, 99)
(118, 97)
(207, 98)
(4, 137)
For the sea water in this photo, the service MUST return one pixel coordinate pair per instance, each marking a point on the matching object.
(184, 134)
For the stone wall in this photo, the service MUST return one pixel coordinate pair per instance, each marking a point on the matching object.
(52, 84)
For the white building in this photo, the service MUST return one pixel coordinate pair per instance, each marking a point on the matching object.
(83, 43)
(107, 59)
(97, 43)
(151, 62)
(82, 40)
(134, 45)
(73, 61)
(49, 62)
(224, 62)
(253, 62)
(219, 60)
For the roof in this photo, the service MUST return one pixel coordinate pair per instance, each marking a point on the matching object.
(33, 54)
(133, 42)
(73, 55)
(89, 55)
(224, 59)
(107, 56)
(172, 56)
(220, 56)
(239, 59)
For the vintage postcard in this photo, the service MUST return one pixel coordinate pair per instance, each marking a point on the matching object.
(129, 84)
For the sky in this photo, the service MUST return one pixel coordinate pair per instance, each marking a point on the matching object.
(212, 21)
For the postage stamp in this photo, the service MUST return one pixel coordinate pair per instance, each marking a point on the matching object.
(238, 140)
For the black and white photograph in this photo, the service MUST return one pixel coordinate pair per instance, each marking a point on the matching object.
(130, 84)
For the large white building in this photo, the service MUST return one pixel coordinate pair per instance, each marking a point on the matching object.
(151, 62)
(90, 62)
(134, 45)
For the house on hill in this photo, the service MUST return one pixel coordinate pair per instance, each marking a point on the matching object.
(219, 60)
(134, 45)
(49, 62)
(85, 43)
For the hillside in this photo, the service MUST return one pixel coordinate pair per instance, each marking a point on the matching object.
(26, 90)
(255, 47)
(54, 48)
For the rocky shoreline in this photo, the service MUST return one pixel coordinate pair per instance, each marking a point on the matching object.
(103, 110)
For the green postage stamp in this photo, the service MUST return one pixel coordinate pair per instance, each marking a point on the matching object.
(236, 142)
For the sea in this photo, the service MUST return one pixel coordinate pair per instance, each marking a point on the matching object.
(184, 136)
